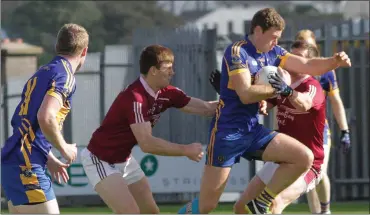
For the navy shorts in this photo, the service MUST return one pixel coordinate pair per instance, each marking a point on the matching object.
(23, 186)
(226, 146)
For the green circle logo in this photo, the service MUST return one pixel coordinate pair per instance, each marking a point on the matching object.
(149, 164)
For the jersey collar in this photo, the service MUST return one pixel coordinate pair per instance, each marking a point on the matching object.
(58, 57)
(299, 81)
(148, 89)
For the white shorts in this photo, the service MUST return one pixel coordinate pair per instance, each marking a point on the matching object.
(96, 170)
(311, 177)
(327, 149)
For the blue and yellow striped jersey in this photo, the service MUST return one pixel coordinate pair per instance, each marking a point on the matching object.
(232, 113)
(27, 145)
(329, 82)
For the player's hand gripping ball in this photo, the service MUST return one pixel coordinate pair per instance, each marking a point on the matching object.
(263, 76)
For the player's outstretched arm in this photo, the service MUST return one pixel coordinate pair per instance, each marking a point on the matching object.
(341, 118)
(338, 110)
(153, 145)
(200, 107)
(46, 117)
(316, 66)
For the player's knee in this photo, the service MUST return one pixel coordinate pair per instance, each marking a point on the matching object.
(207, 207)
(306, 159)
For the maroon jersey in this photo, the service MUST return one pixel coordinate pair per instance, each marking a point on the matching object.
(113, 140)
(305, 126)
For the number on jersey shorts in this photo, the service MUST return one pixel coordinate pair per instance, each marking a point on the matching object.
(311, 178)
(96, 170)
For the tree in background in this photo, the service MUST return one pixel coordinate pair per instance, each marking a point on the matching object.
(108, 22)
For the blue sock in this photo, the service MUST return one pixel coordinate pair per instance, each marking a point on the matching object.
(190, 208)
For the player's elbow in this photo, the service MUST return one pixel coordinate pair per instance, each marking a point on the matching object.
(144, 144)
(44, 118)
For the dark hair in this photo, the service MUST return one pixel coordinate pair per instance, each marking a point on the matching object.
(154, 55)
(267, 18)
(312, 51)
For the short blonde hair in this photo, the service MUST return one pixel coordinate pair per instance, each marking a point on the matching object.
(71, 40)
(312, 50)
(306, 35)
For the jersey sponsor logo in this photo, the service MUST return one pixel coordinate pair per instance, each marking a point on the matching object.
(254, 62)
(155, 119)
(155, 109)
(262, 60)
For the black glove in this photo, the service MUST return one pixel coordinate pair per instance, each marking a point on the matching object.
(280, 86)
(215, 79)
(345, 141)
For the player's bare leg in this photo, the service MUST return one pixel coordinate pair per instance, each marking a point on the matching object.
(141, 192)
(287, 196)
(313, 201)
(213, 183)
(115, 193)
(294, 159)
(11, 208)
(254, 188)
(323, 192)
(323, 188)
(319, 198)
(49, 207)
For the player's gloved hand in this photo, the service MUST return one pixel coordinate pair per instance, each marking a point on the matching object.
(215, 79)
(345, 141)
(194, 151)
(69, 152)
(280, 86)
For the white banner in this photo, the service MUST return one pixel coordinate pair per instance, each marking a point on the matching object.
(165, 175)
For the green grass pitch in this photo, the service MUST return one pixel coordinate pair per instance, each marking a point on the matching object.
(336, 208)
